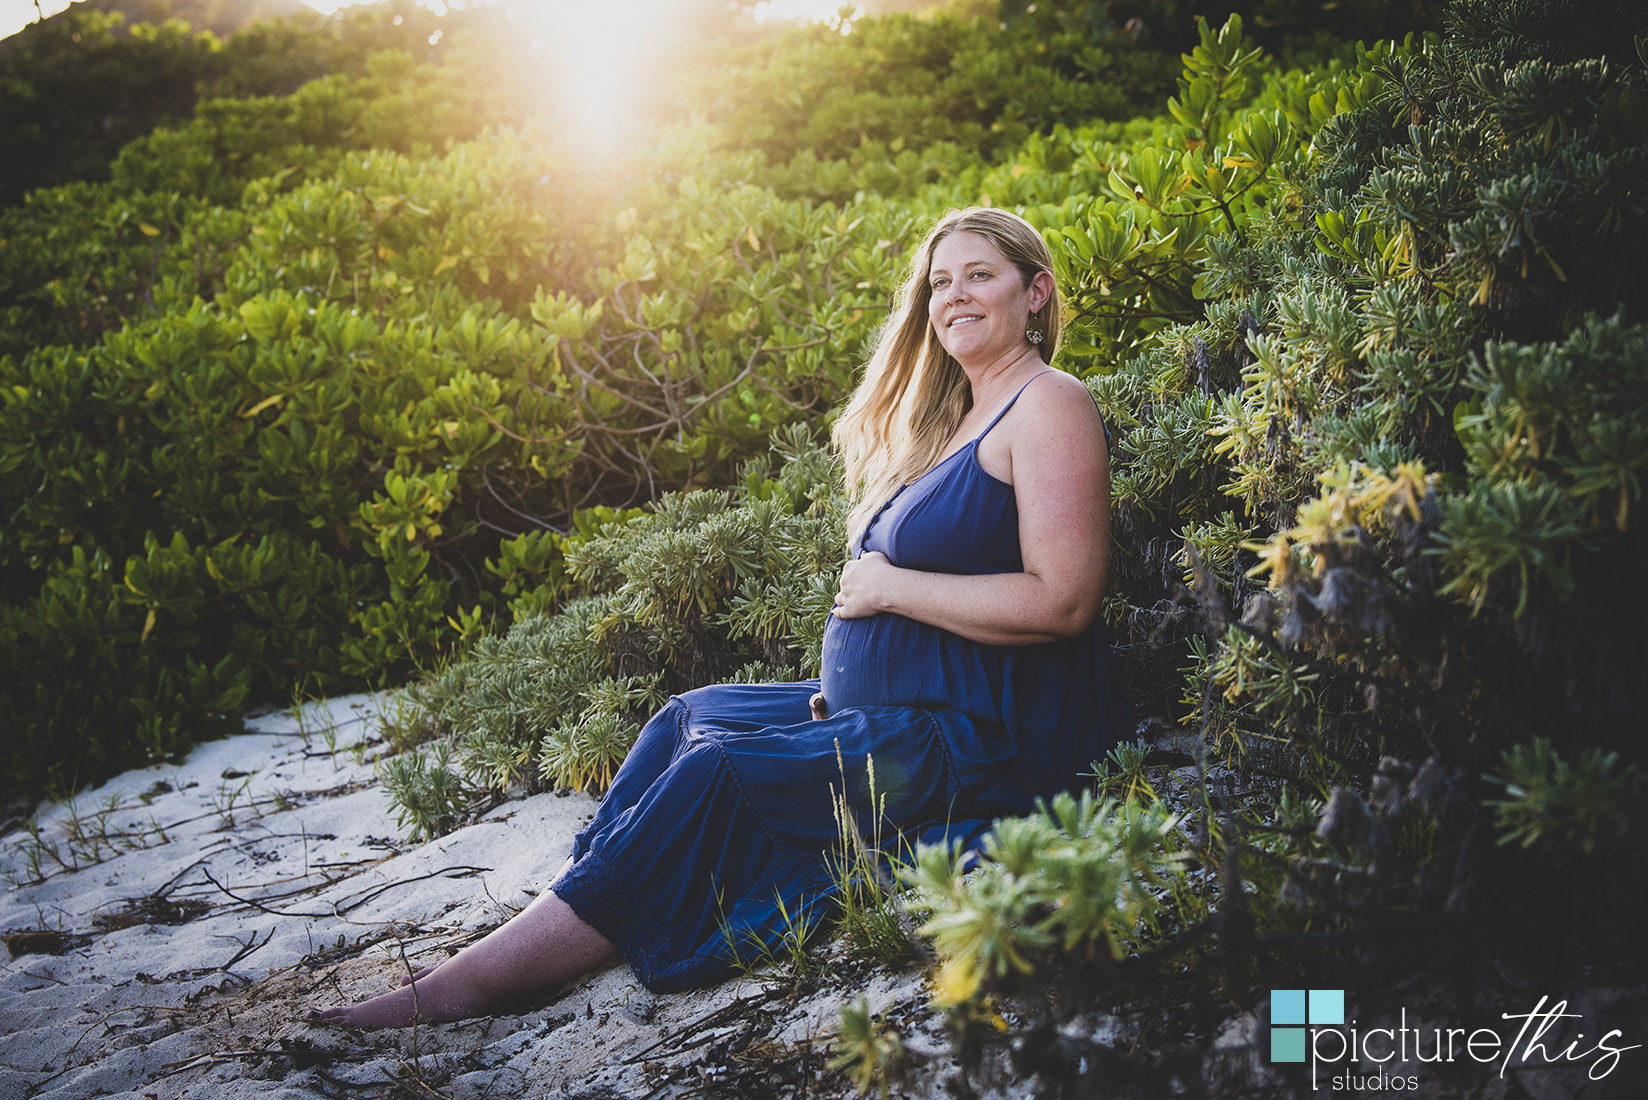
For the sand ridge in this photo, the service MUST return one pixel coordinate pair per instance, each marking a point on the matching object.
(193, 912)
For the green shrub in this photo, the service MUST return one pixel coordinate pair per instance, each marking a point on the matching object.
(1078, 877)
(698, 587)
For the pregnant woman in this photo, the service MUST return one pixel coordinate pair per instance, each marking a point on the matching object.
(964, 654)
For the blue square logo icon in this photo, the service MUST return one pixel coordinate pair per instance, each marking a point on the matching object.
(1287, 1006)
(1287, 1044)
(1327, 1007)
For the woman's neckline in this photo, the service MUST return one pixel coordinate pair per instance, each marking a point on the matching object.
(968, 448)
(973, 443)
(971, 448)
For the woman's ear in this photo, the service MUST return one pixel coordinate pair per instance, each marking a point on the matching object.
(1041, 291)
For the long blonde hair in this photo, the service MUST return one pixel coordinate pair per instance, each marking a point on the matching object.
(914, 395)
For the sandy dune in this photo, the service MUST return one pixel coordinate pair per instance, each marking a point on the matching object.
(192, 914)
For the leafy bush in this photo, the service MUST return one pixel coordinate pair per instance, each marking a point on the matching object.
(691, 590)
(1079, 878)
(1403, 408)
(872, 95)
(82, 84)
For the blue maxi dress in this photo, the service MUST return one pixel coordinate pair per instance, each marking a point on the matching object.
(721, 818)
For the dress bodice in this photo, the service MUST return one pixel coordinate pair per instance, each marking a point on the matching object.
(957, 518)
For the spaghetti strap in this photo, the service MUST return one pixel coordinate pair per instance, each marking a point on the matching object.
(1109, 436)
(1010, 403)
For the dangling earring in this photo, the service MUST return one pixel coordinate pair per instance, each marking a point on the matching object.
(1034, 335)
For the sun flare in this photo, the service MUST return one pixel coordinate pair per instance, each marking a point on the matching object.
(599, 60)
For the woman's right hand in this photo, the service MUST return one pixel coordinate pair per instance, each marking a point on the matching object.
(865, 585)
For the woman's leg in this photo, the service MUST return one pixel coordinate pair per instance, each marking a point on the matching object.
(540, 947)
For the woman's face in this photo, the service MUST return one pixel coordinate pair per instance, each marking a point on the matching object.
(979, 305)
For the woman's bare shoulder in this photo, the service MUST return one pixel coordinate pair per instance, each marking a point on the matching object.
(1053, 419)
(1058, 400)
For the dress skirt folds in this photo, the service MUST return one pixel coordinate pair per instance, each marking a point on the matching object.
(722, 818)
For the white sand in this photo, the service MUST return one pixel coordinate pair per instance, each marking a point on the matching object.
(267, 875)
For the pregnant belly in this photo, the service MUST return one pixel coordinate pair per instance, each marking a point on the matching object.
(889, 660)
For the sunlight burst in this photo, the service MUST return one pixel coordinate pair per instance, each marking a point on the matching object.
(600, 60)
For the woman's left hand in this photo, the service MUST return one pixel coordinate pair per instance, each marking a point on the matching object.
(865, 583)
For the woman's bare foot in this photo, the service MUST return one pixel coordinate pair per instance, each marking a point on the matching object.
(540, 947)
(413, 1001)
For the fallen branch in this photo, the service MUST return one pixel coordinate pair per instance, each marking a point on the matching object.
(246, 947)
(708, 1021)
(337, 909)
(169, 1069)
(457, 872)
(257, 905)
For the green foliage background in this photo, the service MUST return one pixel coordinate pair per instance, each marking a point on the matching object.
(314, 386)
(328, 387)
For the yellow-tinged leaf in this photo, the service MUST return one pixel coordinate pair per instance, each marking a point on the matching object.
(446, 264)
(1483, 290)
(449, 428)
(955, 982)
(386, 253)
(261, 405)
(148, 230)
(148, 625)
(411, 531)
(749, 235)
